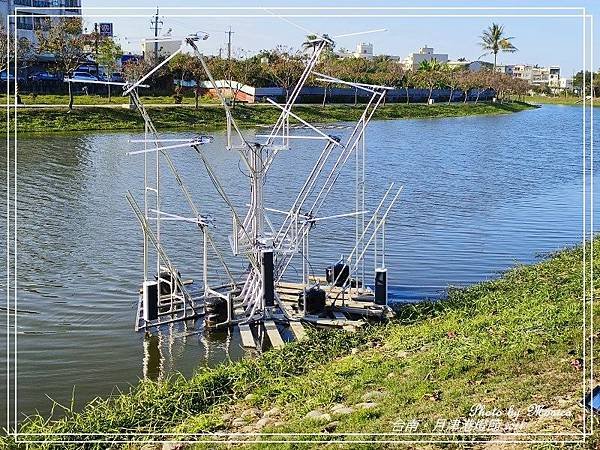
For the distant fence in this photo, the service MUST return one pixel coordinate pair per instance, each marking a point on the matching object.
(308, 94)
(60, 87)
(318, 94)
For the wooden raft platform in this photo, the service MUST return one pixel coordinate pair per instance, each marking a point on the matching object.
(344, 308)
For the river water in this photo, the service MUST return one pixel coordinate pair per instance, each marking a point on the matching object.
(481, 194)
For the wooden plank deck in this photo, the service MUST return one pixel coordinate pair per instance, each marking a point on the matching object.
(334, 322)
(273, 333)
(247, 337)
(291, 291)
(298, 330)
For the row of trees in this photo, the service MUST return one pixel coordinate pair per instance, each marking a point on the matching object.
(282, 67)
(66, 40)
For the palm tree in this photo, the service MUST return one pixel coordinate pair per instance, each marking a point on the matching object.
(409, 79)
(312, 41)
(494, 41)
(430, 75)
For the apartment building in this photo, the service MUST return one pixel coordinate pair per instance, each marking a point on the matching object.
(414, 60)
(31, 20)
(535, 75)
(363, 50)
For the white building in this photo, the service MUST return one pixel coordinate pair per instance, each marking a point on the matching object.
(414, 60)
(538, 76)
(33, 20)
(554, 75)
(534, 75)
(164, 47)
(507, 69)
(565, 84)
(364, 50)
(471, 66)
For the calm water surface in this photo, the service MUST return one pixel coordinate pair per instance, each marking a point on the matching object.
(481, 194)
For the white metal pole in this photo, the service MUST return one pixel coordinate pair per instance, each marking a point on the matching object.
(375, 247)
(383, 245)
(145, 205)
(157, 159)
(362, 186)
(205, 260)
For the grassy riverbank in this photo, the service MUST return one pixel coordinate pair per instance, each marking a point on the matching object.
(211, 117)
(511, 342)
(91, 100)
(558, 100)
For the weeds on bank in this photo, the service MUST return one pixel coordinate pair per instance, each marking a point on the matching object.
(213, 118)
(509, 341)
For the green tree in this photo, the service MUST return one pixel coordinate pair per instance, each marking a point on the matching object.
(452, 78)
(330, 65)
(134, 69)
(358, 70)
(596, 84)
(409, 80)
(241, 71)
(313, 41)
(465, 82)
(284, 68)
(430, 75)
(186, 67)
(578, 81)
(65, 41)
(481, 81)
(493, 41)
(108, 53)
(389, 73)
(24, 49)
(180, 66)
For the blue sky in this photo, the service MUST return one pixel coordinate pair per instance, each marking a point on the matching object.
(540, 40)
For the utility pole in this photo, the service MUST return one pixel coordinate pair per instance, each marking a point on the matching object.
(229, 33)
(156, 22)
(96, 48)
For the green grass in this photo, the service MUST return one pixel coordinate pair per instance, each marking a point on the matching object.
(116, 99)
(558, 100)
(502, 343)
(213, 118)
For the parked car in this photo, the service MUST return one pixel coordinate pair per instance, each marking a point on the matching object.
(45, 76)
(11, 77)
(91, 68)
(84, 76)
(117, 78)
(4, 76)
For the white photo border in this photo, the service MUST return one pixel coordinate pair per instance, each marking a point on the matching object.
(11, 313)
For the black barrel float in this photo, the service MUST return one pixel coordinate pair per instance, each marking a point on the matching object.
(215, 310)
(338, 274)
(315, 300)
(150, 300)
